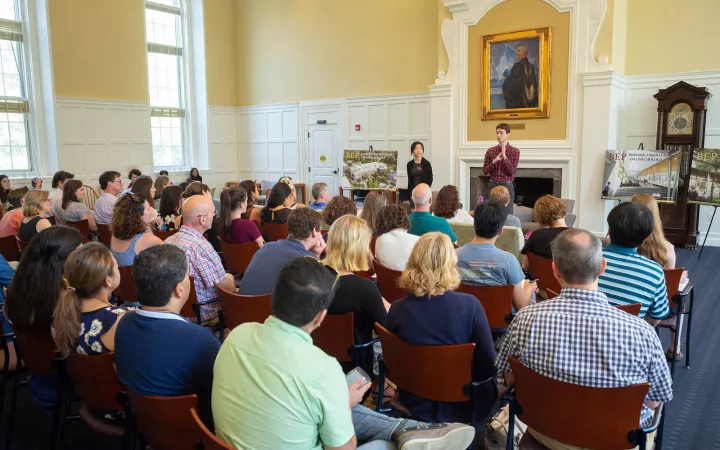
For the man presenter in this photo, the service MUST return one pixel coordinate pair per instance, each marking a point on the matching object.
(501, 163)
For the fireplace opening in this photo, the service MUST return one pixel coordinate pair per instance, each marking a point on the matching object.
(530, 185)
(529, 189)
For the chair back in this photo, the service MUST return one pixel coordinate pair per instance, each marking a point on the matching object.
(38, 352)
(582, 416)
(238, 256)
(166, 422)
(633, 309)
(9, 248)
(274, 231)
(104, 235)
(551, 294)
(188, 309)
(51, 219)
(238, 309)
(91, 197)
(465, 232)
(95, 380)
(164, 234)
(22, 245)
(511, 240)
(434, 372)
(209, 440)
(336, 336)
(83, 227)
(495, 300)
(541, 269)
(387, 280)
(672, 281)
(126, 289)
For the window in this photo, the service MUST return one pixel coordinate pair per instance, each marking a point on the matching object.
(14, 103)
(164, 25)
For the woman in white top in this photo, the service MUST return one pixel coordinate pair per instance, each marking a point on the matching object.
(447, 205)
(394, 244)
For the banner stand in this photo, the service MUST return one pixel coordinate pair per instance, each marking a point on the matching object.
(715, 207)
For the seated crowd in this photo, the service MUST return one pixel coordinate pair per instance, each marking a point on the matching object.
(266, 385)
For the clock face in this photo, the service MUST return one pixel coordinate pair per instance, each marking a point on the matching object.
(680, 120)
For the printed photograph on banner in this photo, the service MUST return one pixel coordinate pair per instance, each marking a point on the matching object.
(630, 172)
(370, 169)
(704, 184)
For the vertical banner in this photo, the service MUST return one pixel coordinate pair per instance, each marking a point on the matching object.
(630, 172)
(370, 169)
(704, 185)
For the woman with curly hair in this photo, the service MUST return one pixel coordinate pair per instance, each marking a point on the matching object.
(374, 201)
(550, 213)
(447, 205)
(337, 207)
(394, 243)
(434, 314)
(130, 219)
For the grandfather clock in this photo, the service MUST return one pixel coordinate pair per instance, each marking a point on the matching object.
(681, 126)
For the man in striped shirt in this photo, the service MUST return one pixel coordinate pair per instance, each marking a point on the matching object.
(629, 277)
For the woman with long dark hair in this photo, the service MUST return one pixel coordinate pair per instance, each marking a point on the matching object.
(279, 202)
(73, 210)
(419, 169)
(5, 188)
(232, 227)
(194, 175)
(251, 212)
(169, 216)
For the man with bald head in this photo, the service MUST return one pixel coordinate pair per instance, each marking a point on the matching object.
(579, 338)
(421, 221)
(203, 261)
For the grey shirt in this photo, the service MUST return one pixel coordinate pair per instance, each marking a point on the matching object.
(512, 221)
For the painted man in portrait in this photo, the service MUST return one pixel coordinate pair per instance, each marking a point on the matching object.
(520, 88)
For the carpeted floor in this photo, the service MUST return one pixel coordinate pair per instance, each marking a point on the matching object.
(692, 417)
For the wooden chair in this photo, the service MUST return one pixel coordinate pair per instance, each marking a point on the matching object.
(83, 227)
(495, 300)
(9, 248)
(164, 234)
(541, 270)
(633, 309)
(104, 235)
(387, 282)
(126, 289)
(672, 283)
(551, 294)
(208, 439)
(599, 418)
(336, 337)
(51, 219)
(166, 422)
(274, 231)
(238, 309)
(238, 256)
(91, 197)
(441, 373)
(22, 245)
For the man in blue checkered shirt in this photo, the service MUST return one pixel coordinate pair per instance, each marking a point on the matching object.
(579, 338)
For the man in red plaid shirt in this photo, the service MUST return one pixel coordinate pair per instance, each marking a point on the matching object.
(501, 163)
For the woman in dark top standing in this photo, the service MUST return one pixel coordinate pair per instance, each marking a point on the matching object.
(419, 169)
(277, 209)
(232, 228)
(550, 213)
(433, 314)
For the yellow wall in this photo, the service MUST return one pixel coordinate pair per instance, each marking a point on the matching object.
(535, 14)
(443, 13)
(220, 52)
(294, 50)
(672, 36)
(98, 49)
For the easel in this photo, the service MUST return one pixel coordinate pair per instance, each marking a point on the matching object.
(715, 207)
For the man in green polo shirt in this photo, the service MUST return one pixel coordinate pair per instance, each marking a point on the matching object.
(421, 221)
(273, 389)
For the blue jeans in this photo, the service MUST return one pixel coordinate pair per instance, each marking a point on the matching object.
(376, 429)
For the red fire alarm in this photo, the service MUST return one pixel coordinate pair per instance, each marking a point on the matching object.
(357, 127)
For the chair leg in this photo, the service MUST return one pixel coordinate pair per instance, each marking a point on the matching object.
(381, 385)
(661, 427)
(676, 342)
(689, 328)
(13, 405)
(222, 326)
(510, 444)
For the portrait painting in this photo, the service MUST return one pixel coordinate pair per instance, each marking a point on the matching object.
(516, 75)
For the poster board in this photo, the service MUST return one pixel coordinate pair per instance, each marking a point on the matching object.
(704, 182)
(370, 169)
(630, 172)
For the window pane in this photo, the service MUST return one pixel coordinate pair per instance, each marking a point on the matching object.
(163, 80)
(13, 142)
(7, 10)
(167, 141)
(10, 69)
(163, 28)
(175, 3)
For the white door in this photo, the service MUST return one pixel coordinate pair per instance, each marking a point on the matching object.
(323, 156)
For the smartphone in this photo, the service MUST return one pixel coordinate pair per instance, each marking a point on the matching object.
(355, 375)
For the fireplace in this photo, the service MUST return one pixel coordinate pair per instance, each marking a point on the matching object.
(530, 185)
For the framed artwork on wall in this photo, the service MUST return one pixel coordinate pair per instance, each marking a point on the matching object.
(516, 75)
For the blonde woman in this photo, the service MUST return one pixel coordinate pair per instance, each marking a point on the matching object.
(35, 207)
(433, 314)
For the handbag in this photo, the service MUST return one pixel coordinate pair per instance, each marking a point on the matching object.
(496, 431)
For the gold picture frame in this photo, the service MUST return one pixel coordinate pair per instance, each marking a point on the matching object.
(509, 63)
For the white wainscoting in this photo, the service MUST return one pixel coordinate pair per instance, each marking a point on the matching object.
(224, 156)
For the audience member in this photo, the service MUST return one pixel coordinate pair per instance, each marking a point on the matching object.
(161, 182)
(34, 292)
(5, 188)
(35, 207)
(36, 183)
(134, 174)
(6, 276)
(111, 185)
(84, 321)
(232, 227)
(394, 243)
(72, 209)
(321, 195)
(164, 172)
(434, 314)
(194, 175)
(482, 264)
(304, 239)
(58, 183)
(550, 213)
(203, 261)
(301, 393)
(169, 216)
(184, 185)
(288, 180)
(251, 213)
(129, 229)
(278, 206)
(348, 252)
(579, 338)
(374, 201)
(158, 352)
(337, 207)
(198, 188)
(629, 277)
(502, 195)
(447, 205)
(12, 219)
(421, 221)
